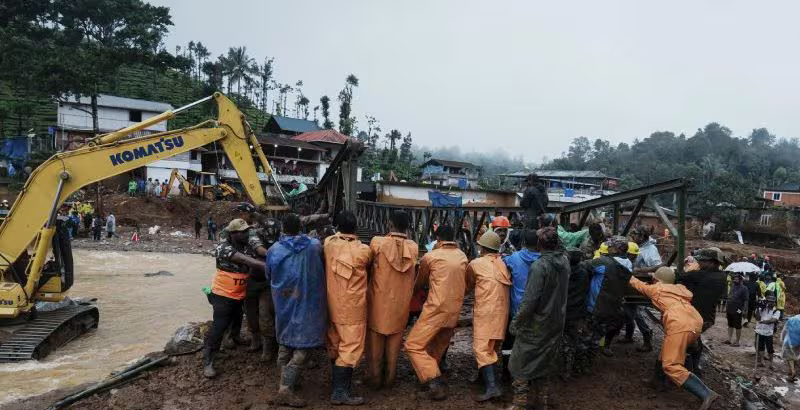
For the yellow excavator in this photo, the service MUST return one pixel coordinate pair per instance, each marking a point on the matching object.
(206, 185)
(35, 251)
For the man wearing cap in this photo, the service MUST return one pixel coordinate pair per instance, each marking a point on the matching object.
(296, 273)
(442, 270)
(539, 323)
(389, 299)
(258, 308)
(682, 326)
(488, 276)
(610, 275)
(228, 289)
(346, 261)
(708, 287)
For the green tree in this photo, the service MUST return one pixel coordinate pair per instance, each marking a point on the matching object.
(238, 67)
(346, 122)
(325, 102)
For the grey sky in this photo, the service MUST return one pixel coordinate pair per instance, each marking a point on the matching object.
(527, 76)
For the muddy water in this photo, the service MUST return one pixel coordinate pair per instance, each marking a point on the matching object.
(138, 314)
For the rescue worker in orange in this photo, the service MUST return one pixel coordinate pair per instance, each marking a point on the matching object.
(388, 299)
(443, 270)
(346, 261)
(682, 326)
(228, 289)
(489, 277)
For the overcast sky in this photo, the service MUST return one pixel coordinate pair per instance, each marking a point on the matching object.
(527, 76)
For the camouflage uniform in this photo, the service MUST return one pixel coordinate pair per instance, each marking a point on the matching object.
(258, 303)
(576, 342)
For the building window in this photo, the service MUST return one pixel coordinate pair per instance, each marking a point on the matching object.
(765, 219)
(134, 116)
(776, 196)
(193, 155)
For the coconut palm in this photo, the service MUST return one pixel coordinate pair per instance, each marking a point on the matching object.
(238, 66)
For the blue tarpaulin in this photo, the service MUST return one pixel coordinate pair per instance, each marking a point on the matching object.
(14, 148)
(297, 275)
(441, 199)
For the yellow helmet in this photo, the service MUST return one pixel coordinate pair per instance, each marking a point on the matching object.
(633, 248)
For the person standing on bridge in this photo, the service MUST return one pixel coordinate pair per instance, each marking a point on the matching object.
(296, 272)
(389, 299)
(346, 262)
(491, 281)
(228, 289)
(682, 327)
(443, 271)
(534, 201)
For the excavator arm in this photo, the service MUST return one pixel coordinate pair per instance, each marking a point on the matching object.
(31, 219)
(184, 184)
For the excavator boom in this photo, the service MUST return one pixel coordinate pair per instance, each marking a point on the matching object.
(32, 218)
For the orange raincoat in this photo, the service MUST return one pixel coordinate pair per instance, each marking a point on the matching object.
(346, 261)
(682, 324)
(444, 269)
(489, 276)
(392, 282)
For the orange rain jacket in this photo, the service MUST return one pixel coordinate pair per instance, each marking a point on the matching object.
(444, 267)
(391, 283)
(491, 280)
(346, 261)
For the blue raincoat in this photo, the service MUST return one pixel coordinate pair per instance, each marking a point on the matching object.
(519, 263)
(296, 272)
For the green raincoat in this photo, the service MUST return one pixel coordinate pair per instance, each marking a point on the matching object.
(539, 322)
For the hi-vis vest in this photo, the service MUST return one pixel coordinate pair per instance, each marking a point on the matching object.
(229, 284)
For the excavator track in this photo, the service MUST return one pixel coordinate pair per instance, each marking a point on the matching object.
(48, 331)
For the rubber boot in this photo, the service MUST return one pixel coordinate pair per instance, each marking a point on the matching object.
(286, 396)
(208, 364)
(340, 380)
(521, 389)
(696, 386)
(437, 389)
(255, 343)
(269, 349)
(492, 391)
(647, 346)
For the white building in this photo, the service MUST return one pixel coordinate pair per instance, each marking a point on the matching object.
(75, 127)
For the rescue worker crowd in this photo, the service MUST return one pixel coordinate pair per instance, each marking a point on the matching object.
(553, 299)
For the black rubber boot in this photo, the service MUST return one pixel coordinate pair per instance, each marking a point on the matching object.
(208, 364)
(696, 386)
(340, 380)
(492, 391)
(286, 396)
(647, 346)
(437, 389)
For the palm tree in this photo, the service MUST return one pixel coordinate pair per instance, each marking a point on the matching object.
(239, 66)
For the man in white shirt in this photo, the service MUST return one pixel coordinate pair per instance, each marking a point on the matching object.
(767, 316)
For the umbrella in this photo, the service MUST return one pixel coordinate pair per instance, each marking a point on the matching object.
(742, 267)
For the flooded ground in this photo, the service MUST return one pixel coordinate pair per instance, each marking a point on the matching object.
(138, 314)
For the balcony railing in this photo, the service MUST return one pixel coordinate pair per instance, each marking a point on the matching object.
(283, 179)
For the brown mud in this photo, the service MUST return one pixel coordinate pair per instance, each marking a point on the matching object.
(245, 383)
